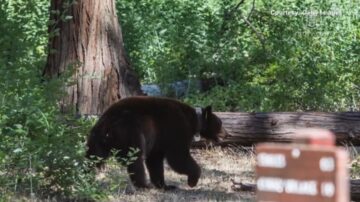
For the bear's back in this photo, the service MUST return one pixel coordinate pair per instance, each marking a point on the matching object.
(160, 110)
(151, 106)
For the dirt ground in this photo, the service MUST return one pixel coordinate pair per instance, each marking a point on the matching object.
(219, 166)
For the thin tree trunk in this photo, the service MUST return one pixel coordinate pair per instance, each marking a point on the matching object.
(91, 44)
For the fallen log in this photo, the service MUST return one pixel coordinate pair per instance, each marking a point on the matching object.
(355, 190)
(247, 129)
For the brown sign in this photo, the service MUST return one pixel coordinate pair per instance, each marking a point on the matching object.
(301, 172)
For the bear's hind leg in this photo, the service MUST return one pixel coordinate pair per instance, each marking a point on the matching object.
(155, 165)
(136, 169)
(136, 172)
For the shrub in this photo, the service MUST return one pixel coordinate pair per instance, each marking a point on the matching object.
(41, 150)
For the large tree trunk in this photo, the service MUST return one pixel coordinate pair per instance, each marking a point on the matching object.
(249, 128)
(90, 42)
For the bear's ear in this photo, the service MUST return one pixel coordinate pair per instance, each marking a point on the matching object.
(207, 112)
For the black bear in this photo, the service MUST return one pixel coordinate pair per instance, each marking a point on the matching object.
(161, 128)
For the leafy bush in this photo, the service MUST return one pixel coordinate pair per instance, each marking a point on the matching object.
(41, 150)
(233, 97)
(277, 61)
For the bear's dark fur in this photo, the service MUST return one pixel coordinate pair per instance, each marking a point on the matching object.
(161, 128)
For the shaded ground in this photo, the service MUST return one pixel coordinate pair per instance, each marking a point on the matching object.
(219, 166)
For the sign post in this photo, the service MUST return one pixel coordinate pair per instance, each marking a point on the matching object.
(312, 169)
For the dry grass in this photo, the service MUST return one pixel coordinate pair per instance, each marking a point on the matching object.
(219, 166)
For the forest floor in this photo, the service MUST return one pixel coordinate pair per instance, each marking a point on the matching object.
(219, 167)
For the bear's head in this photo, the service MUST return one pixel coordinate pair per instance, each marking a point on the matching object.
(211, 125)
(97, 148)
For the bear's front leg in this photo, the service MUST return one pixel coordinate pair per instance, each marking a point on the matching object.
(182, 162)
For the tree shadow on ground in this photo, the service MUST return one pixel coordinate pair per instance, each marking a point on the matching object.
(203, 194)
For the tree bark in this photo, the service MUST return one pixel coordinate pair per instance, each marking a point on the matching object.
(247, 129)
(91, 44)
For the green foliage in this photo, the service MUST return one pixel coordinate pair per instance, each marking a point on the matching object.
(233, 97)
(166, 39)
(41, 150)
(355, 167)
(274, 55)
